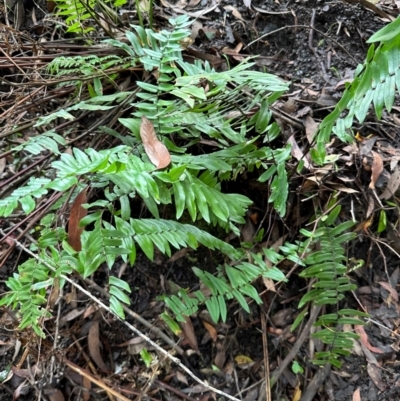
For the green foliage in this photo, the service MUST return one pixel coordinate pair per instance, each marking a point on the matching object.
(231, 282)
(325, 264)
(376, 83)
(80, 14)
(187, 104)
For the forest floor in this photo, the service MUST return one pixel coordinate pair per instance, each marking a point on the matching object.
(316, 45)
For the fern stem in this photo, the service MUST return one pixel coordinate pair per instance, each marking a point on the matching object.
(139, 13)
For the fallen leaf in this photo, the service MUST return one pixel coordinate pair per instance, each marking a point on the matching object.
(220, 358)
(76, 215)
(392, 185)
(87, 384)
(357, 395)
(71, 316)
(54, 394)
(243, 361)
(247, 3)
(156, 150)
(2, 164)
(94, 346)
(189, 334)
(181, 377)
(364, 339)
(297, 393)
(179, 254)
(297, 153)
(374, 373)
(390, 289)
(235, 12)
(376, 168)
(211, 330)
(311, 128)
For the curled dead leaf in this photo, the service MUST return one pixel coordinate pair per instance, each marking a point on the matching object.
(376, 168)
(156, 150)
(94, 346)
(76, 215)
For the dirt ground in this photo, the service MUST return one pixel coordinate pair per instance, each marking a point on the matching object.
(317, 62)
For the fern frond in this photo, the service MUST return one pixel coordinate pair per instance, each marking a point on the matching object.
(35, 188)
(326, 265)
(376, 83)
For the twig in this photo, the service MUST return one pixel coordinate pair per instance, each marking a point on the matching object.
(293, 352)
(132, 328)
(174, 390)
(266, 359)
(316, 383)
(137, 317)
(83, 373)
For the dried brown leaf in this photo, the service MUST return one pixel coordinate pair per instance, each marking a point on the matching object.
(297, 393)
(3, 162)
(55, 292)
(189, 334)
(311, 128)
(376, 168)
(94, 346)
(220, 358)
(211, 330)
(374, 373)
(235, 12)
(392, 185)
(54, 394)
(365, 341)
(297, 153)
(179, 254)
(181, 377)
(357, 395)
(87, 384)
(71, 316)
(76, 215)
(390, 289)
(155, 150)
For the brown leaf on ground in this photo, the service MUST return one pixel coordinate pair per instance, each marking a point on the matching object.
(365, 341)
(54, 394)
(211, 330)
(297, 393)
(189, 334)
(3, 163)
(374, 373)
(311, 128)
(156, 150)
(235, 12)
(220, 358)
(94, 346)
(181, 377)
(87, 384)
(390, 289)
(76, 215)
(392, 185)
(357, 395)
(376, 168)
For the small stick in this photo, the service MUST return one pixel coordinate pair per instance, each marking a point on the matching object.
(131, 327)
(293, 352)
